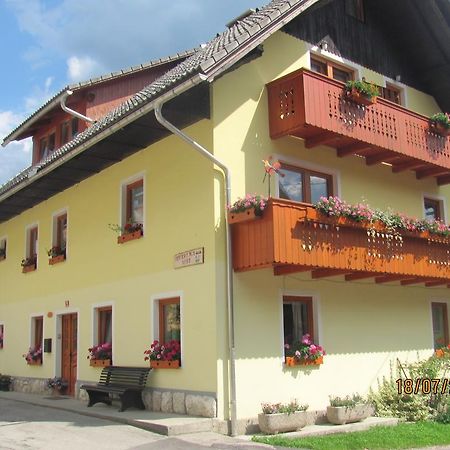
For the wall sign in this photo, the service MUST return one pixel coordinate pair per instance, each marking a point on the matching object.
(189, 258)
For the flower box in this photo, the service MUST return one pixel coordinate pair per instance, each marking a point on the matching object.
(129, 236)
(34, 362)
(242, 216)
(99, 362)
(439, 128)
(283, 422)
(292, 361)
(175, 364)
(360, 98)
(30, 268)
(57, 259)
(340, 415)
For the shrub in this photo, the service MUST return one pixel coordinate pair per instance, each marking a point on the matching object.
(347, 401)
(280, 408)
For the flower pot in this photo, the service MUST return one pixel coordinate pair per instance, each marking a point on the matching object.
(438, 128)
(360, 98)
(340, 415)
(34, 362)
(165, 364)
(57, 259)
(279, 423)
(29, 268)
(242, 216)
(129, 236)
(99, 362)
(292, 361)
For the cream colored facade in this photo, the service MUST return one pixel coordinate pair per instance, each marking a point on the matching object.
(364, 327)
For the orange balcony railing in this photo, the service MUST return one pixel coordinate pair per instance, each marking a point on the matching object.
(314, 107)
(294, 237)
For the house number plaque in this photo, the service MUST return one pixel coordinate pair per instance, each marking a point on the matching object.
(189, 258)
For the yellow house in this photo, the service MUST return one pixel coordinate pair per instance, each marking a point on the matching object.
(160, 169)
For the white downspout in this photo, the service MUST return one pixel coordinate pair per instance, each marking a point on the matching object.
(62, 102)
(230, 303)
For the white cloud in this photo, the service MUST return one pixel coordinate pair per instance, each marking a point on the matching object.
(82, 68)
(39, 96)
(15, 156)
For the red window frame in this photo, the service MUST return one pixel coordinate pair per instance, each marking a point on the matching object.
(61, 224)
(162, 321)
(328, 68)
(38, 331)
(308, 302)
(443, 310)
(32, 242)
(129, 198)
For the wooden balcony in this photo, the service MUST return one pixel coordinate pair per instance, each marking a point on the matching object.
(314, 107)
(293, 237)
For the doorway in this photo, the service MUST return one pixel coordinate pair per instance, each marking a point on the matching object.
(69, 351)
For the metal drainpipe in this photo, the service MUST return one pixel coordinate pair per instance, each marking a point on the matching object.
(62, 102)
(230, 303)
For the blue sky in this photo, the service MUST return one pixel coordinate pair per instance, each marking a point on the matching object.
(47, 44)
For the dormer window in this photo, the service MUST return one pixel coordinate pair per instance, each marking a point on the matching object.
(68, 130)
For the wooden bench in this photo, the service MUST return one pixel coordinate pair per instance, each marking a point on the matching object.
(126, 382)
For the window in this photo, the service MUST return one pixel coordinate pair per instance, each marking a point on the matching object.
(135, 202)
(440, 324)
(303, 185)
(74, 127)
(169, 319)
(391, 93)
(297, 318)
(2, 249)
(2, 334)
(68, 130)
(104, 325)
(37, 325)
(60, 234)
(433, 209)
(330, 69)
(32, 245)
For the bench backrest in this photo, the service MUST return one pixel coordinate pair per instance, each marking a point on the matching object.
(124, 376)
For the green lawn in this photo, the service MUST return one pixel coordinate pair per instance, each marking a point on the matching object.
(405, 435)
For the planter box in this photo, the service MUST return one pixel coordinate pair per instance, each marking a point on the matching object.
(340, 415)
(438, 128)
(291, 361)
(359, 98)
(165, 364)
(243, 216)
(30, 268)
(99, 362)
(37, 362)
(280, 423)
(57, 259)
(129, 236)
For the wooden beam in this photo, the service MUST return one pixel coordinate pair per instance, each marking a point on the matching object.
(380, 157)
(412, 164)
(432, 172)
(352, 149)
(287, 269)
(389, 278)
(359, 276)
(416, 281)
(320, 139)
(443, 180)
(436, 283)
(322, 273)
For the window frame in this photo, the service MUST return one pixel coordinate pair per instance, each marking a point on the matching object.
(308, 300)
(330, 65)
(439, 202)
(4, 245)
(101, 323)
(129, 198)
(123, 199)
(161, 322)
(30, 241)
(443, 305)
(306, 174)
(2, 331)
(37, 331)
(57, 231)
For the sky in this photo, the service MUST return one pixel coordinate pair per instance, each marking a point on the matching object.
(47, 44)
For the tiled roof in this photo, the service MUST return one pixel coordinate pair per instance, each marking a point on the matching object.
(232, 44)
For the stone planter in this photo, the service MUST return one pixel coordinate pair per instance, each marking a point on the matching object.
(281, 423)
(165, 364)
(340, 415)
(99, 362)
(129, 236)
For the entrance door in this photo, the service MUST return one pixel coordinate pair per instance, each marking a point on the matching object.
(69, 351)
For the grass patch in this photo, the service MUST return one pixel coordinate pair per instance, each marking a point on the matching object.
(405, 435)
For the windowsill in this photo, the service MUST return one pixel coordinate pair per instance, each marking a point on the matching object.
(27, 269)
(57, 259)
(130, 236)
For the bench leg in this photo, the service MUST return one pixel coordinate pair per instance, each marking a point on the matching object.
(131, 398)
(98, 397)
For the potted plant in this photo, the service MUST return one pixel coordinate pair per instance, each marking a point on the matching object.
(29, 264)
(348, 409)
(130, 231)
(34, 356)
(279, 418)
(56, 255)
(58, 385)
(164, 355)
(100, 355)
(362, 92)
(5, 382)
(440, 124)
(247, 208)
(304, 352)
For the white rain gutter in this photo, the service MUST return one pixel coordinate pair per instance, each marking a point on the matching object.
(230, 300)
(62, 102)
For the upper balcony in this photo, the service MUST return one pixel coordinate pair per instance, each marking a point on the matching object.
(312, 106)
(292, 237)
